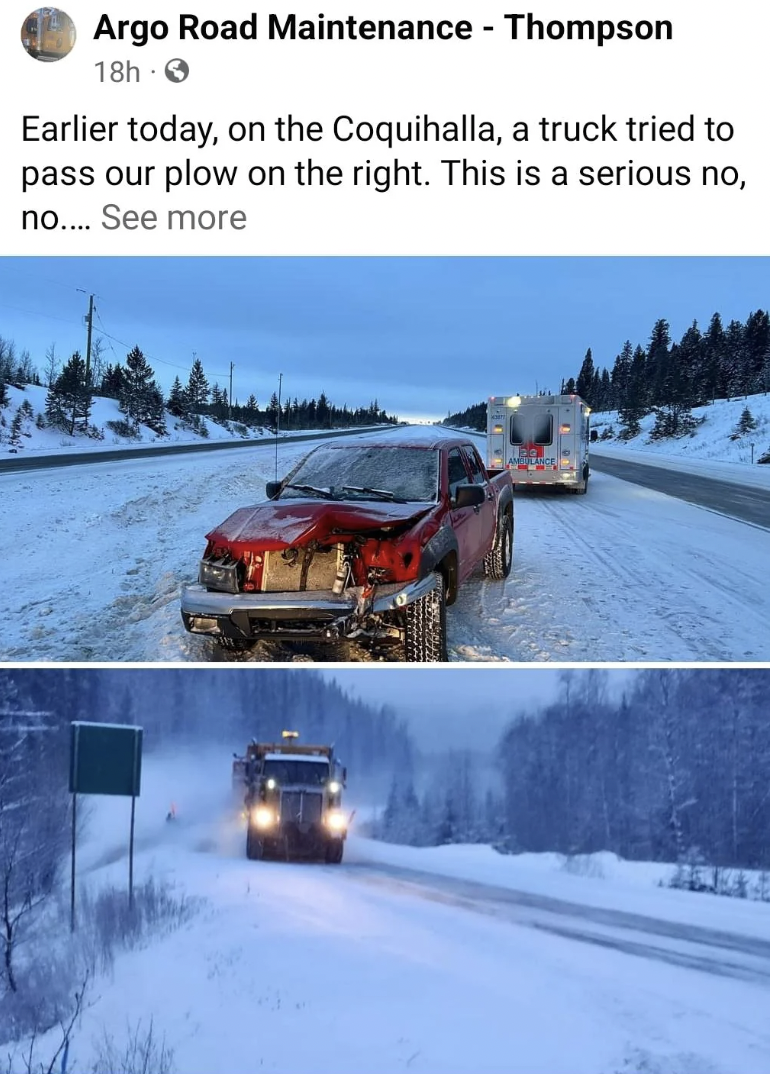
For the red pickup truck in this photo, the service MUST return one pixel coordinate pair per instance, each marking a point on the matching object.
(366, 540)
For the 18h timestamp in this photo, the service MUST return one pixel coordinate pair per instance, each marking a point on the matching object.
(118, 71)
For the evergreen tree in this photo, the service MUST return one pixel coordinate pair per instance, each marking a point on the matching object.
(585, 378)
(68, 402)
(138, 395)
(621, 373)
(713, 357)
(747, 422)
(735, 377)
(322, 411)
(14, 434)
(197, 388)
(177, 403)
(112, 381)
(657, 369)
(155, 409)
(757, 349)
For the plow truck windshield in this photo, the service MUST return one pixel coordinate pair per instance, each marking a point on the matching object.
(310, 772)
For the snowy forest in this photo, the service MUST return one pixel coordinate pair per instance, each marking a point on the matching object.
(73, 384)
(191, 705)
(678, 762)
(667, 377)
(676, 767)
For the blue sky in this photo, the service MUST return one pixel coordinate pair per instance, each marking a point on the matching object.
(422, 335)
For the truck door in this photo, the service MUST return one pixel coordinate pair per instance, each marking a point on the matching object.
(486, 519)
(464, 521)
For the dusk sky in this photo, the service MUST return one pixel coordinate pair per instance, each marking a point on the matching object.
(425, 336)
(457, 706)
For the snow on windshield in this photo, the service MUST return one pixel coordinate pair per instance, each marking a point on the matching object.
(407, 473)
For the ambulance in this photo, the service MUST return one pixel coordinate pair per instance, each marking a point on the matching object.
(541, 439)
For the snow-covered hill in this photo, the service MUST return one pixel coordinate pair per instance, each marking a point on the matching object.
(36, 437)
(715, 439)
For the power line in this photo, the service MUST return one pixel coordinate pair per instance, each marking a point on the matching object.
(162, 361)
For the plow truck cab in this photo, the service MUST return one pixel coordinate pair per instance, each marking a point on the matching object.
(293, 801)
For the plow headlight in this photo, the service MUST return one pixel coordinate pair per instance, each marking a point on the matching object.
(263, 817)
(335, 821)
(271, 784)
(334, 787)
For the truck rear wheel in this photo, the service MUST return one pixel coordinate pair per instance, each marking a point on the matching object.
(498, 562)
(255, 848)
(334, 851)
(425, 640)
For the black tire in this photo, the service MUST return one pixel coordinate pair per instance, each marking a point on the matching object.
(334, 851)
(255, 848)
(234, 645)
(425, 640)
(498, 562)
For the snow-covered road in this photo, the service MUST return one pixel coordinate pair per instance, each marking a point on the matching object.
(373, 966)
(93, 559)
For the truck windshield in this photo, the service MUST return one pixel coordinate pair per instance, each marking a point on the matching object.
(369, 473)
(307, 773)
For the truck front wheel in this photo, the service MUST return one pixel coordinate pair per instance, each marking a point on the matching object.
(425, 639)
(498, 562)
(334, 851)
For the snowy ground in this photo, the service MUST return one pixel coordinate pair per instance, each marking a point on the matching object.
(624, 573)
(292, 967)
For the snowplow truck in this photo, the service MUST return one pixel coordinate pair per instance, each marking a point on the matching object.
(293, 801)
(540, 439)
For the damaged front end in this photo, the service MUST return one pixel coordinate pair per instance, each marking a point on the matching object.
(331, 582)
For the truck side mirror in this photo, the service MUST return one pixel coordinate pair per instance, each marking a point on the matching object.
(344, 776)
(469, 496)
(272, 488)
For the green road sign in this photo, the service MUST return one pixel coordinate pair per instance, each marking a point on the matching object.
(105, 758)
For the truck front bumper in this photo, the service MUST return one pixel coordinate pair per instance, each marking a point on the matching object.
(293, 616)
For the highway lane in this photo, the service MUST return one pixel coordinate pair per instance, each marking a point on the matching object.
(708, 950)
(79, 458)
(747, 503)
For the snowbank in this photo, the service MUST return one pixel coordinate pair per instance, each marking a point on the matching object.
(711, 451)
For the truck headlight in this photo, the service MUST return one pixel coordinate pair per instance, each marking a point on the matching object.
(215, 574)
(263, 817)
(335, 820)
(334, 787)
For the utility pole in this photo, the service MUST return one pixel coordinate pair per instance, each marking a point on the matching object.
(90, 325)
(230, 404)
(278, 423)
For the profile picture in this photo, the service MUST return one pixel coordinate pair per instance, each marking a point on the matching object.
(48, 34)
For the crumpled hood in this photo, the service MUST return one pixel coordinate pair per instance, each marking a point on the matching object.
(279, 524)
